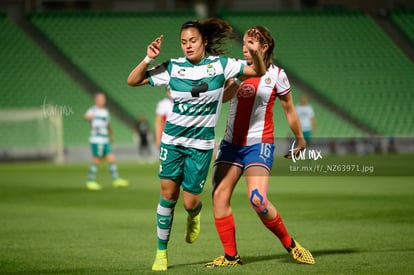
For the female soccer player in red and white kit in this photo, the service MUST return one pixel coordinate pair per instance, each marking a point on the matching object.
(248, 146)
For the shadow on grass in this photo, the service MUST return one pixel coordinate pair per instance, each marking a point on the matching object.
(287, 258)
(281, 257)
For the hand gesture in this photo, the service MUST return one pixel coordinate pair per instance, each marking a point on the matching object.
(254, 40)
(154, 49)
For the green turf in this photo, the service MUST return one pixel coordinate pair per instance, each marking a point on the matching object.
(50, 224)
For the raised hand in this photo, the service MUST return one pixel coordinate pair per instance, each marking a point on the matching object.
(154, 49)
(254, 40)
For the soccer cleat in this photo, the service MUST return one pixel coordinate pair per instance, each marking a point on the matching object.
(222, 261)
(300, 254)
(120, 183)
(193, 228)
(161, 261)
(93, 185)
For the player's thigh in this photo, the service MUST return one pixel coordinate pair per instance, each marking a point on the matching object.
(258, 160)
(110, 157)
(257, 179)
(196, 168)
(225, 178)
(228, 165)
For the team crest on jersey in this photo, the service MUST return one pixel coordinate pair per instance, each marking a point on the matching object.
(268, 80)
(211, 70)
(246, 91)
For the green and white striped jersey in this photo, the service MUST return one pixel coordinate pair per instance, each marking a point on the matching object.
(99, 125)
(197, 91)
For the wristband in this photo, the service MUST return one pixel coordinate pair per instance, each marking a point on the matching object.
(237, 81)
(148, 60)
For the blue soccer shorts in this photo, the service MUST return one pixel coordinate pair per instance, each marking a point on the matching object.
(260, 154)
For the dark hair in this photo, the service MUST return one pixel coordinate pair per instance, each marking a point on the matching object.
(215, 31)
(98, 93)
(266, 38)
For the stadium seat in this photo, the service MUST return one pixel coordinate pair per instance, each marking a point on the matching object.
(404, 20)
(335, 53)
(29, 78)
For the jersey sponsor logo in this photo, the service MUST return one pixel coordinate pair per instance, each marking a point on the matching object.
(199, 87)
(182, 107)
(198, 109)
(246, 91)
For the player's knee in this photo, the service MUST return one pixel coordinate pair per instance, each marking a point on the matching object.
(258, 201)
(110, 158)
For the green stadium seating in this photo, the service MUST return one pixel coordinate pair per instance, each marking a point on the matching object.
(30, 79)
(404, 20)
(107, 46)
(328, 124)
(343, 56)
(346, 58)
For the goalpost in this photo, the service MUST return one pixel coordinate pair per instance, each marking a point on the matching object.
(31, 134)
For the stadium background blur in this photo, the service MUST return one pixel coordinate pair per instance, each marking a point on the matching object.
(354, 60)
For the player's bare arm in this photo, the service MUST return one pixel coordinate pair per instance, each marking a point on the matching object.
(294, 123)
(230, 89)
(137, 77)
(110, 133)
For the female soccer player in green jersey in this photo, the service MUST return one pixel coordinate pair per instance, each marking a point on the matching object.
(196, 83)
(100, 141)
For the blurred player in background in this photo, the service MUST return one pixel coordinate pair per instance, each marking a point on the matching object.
(100, 141)
(306, 117)
(142, 129)
(248, 147)
(163, 110)
(196, 83)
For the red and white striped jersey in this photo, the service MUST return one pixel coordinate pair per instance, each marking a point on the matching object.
(250, 119)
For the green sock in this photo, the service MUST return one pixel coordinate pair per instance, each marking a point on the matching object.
(93, 169)
(165, 215)
(113, 169)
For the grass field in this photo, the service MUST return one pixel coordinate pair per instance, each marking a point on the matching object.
(50, 224)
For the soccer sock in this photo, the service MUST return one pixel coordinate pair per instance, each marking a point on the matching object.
(226, 229)
(113, 169)
(196, 210)
(278, 228)
(93, 169)
(165, 215)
